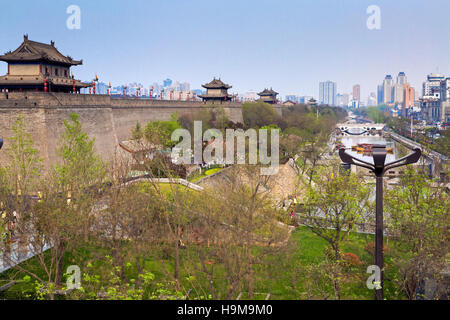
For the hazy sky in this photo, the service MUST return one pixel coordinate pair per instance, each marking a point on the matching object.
(287, 45)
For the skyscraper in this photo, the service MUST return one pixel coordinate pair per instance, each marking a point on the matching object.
(380, 96)
(372, 99)
(398, 93)
(327, 93)
(435, 103)
(445, 90)
(167, 82)
(401, 78)
(357, 92)
(433, 84)
(342, 100)
(408, 98)
(388, 89)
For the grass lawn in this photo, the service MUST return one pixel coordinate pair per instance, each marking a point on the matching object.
(286, 279)
(166, 188)
(206, 173)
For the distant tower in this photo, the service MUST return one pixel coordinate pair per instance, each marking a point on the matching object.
(216, 90)
(408, 98)
(268, 96)
(167, 82)
(388, 89)
(327, 93)
(401, 78)
(380, 96)
(357, 92)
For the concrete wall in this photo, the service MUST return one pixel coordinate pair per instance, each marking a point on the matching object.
(107, 120)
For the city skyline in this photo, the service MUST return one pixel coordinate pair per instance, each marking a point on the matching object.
(193, 41)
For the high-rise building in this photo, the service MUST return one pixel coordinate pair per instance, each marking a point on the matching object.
(401, 78)
(388, 89)
(342, 100)
(408, 99)
(433, 84)
(398, 93)
(435, 103)
(445, 90)
(380, 96)
(357, 92)
(372, 99)
(445, 101)
(167, 82)
(327, 93)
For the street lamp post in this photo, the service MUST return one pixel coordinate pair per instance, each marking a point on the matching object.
(379, 168)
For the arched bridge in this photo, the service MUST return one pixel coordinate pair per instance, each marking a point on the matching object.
(365, 129)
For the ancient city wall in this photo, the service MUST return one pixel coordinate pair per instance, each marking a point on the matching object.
(106, 119)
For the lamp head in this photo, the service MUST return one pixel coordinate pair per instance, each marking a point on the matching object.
(414, 157)
(345, 157)
(379, 157)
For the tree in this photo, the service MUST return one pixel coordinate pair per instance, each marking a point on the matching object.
(17, 183)
(235, 227)
(332, 208)
(129, 224)
(419, 223)
(137, 132)
(159, 132)
(25, 165)
(61, 219)
(258, 114)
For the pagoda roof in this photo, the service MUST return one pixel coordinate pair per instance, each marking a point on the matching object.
(37, 51)
(216, 84)
(267, 92)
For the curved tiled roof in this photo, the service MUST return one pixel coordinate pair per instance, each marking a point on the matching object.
(37, 51)
(267, 92)
(215, 84)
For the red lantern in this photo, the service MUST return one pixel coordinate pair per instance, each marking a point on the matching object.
(45, 84)
(73, 84)
(94, 87)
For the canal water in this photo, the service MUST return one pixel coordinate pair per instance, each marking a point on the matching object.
(350, 141)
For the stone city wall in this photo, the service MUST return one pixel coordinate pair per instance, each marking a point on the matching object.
(108, 120)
